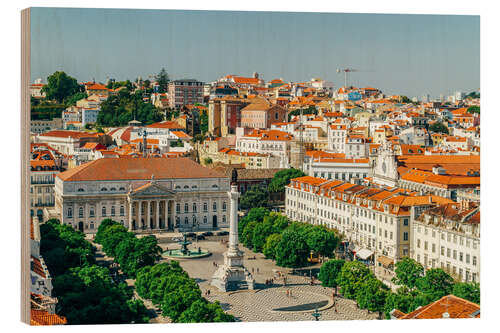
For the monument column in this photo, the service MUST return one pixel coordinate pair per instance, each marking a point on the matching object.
(233, 219)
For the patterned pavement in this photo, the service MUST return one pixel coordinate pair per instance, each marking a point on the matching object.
(258, 305)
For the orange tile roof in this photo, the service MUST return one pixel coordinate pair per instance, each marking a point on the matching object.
(166, 124)
(43, 318)
(66, 134)
(181, 134)
(137, 169)
(453, 164)
(456, 307)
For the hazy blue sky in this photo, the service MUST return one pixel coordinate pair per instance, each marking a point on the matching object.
(407, 54)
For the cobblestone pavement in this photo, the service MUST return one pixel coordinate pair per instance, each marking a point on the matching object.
(258, 305)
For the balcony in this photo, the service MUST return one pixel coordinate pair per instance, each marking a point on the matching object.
(42, 182)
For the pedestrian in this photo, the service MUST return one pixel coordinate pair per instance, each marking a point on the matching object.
(286, 293)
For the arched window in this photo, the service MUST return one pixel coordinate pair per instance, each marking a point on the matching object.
(81, 190)
(194, 186)
(205, 207)
(70, 212)
(215, 186)
(186, 207)
(122, 210)
(224, 206)
(122, 188)
(103, 211)
(214, 206)
(178, 208)
(186, 220)
(112, 189)
(80, 212)
(194, 207)
(223, 218)
(177, 187)
(112, 210)
(186, 186)
(104, 189)
(92, 211)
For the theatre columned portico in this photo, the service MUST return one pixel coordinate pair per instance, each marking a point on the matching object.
(151, 207)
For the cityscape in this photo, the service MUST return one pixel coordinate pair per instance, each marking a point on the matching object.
(248, 197)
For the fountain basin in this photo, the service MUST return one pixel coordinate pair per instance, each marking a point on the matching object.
(180, 254)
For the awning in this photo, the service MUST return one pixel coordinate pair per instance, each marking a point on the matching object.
(385, 261)
(364, 254)
(355, 248)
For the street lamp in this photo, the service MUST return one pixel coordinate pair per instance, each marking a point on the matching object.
(316, 314)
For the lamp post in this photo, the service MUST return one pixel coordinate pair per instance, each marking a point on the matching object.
(316, 314)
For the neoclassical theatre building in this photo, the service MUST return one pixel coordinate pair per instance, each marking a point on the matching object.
(144, 194)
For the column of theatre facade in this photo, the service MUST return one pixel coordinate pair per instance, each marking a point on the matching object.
(375, 220)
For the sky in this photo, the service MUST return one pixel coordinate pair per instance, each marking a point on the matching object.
(412, 55)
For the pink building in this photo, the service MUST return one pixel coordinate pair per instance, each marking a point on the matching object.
(183, 92)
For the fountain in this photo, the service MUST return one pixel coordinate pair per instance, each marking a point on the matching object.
(184, 252)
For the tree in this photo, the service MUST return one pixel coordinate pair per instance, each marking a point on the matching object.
(261, 232)
(271, 245)
(401, 301)
(201, 311)
(322, 241)
(329, 272)
(254, 214)
(408, 271)
(436, 283)
(207, 160)
(204, 122)
(179, 300)
(468, 290)
(474, 109)
(71, 100)
(254, 197)
(162, 79)
(60, 86)
(405, 100)
(247, 235)
(372, 294)
(292, 250)
(282, 179)
(351, 276)
(438, 127)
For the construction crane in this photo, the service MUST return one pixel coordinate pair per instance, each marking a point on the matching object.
(346, 70)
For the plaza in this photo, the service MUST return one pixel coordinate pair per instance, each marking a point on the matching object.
(268, 302)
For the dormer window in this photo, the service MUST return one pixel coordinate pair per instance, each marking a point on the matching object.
(112, 189)
(81, 190)
(177, 187)
(215, 186)
(104, 189)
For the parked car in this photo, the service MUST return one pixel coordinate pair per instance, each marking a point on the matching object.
(190, 234)
(223, 233)
(207, 233)
(200, 237)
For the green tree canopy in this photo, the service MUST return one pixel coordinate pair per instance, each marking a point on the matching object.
(71, 100)
(61, 86)
(372, 294)
(351, 276)
(474, 109)
(202, 311)
(292, 250)
(322, 241)
(254, 214)
(408, 271)
(329, 272)
(468, 290)
(282, 179)
(436, 283)
(254, 198)
(162, 79)
(272, 242)
(438, 127)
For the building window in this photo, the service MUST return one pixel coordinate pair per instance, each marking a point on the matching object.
(433, 248)
(224, 206)
(405, 236)
(455, 254)
(186, 207)
(92, 211)
(80, 212)
(418, 243)
(122, 210)
(194, 207)
(70, 212)
(103, 211)
(448, 252)
(204, 219)
(405, 222)
(467, 258)
(186, 220)
(474, 260)
(205, 207)
(442, 250)
(461, 257)
(224, 221)
(112, 210)
(214, 206)
(178, 208)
